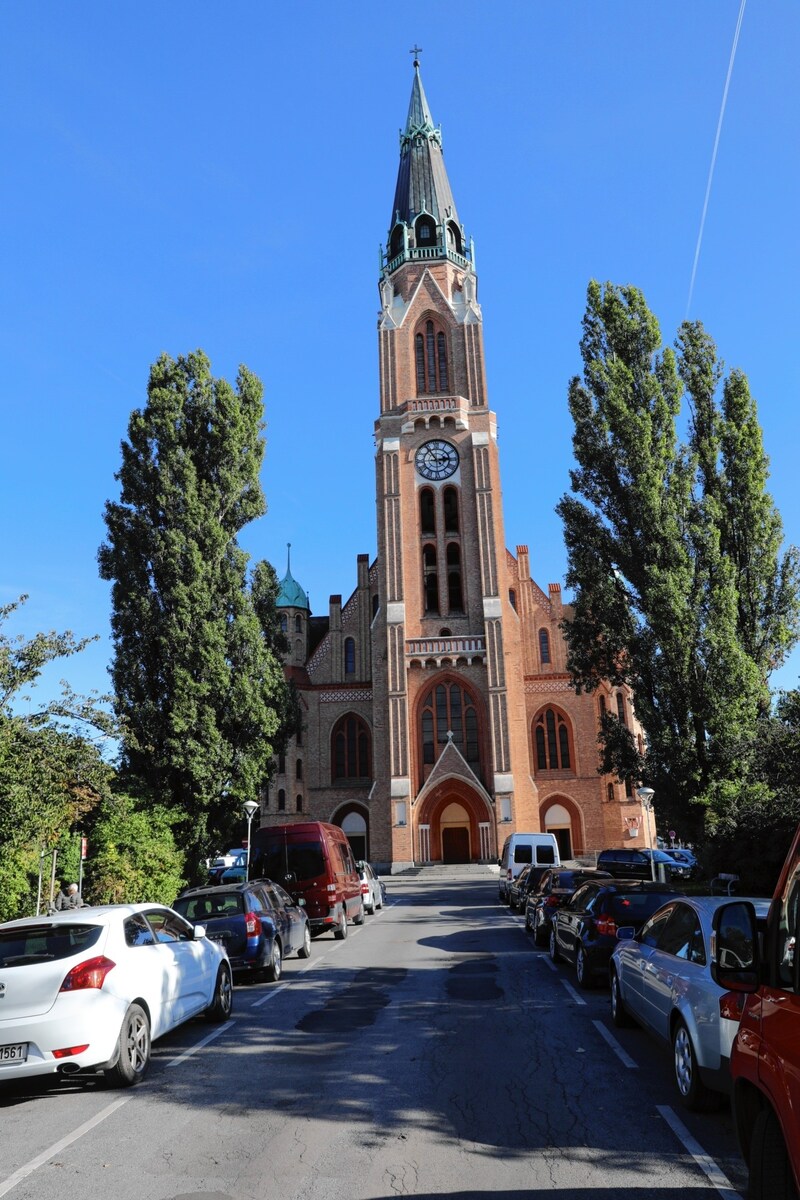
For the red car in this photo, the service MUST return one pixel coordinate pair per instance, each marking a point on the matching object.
(765, 1059)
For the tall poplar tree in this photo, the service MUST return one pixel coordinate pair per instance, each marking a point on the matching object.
(199, 687)
(674, 553)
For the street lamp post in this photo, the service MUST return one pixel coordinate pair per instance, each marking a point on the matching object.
(250, 807)
(646, 794)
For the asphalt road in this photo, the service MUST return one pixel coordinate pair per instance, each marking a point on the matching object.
(434, 1052)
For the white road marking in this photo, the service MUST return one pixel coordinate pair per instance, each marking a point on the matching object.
(715, 1175)
(578, 999)
(547, 961)
(624, 1058)
(176, 1062)
(57, 1147)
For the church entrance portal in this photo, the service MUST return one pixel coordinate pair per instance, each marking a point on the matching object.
(455, 845)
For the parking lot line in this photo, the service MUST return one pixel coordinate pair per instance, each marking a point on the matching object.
(176, 1062)
(578, 999)
(624, 1058)
(715, 1175)
(7, 1184)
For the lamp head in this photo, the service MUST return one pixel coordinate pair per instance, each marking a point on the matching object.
(645, 794)
(250, 807)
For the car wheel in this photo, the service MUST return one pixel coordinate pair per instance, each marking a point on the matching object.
(305, 949)
(358, 919)
(134, 1049)
(272, 971)
(341, 932)
(693, 1092)
(554, 951)
(369, 911)
(619, 1013)
(539, 931)
(220, 1007)
(582, 970)
(528, 926)
(770, 1170)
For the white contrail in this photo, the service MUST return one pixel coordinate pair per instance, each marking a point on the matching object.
(714, 153)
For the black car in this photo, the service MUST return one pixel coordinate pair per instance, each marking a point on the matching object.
(638, 864)
(258, 923)
(555, 888)
(584, 930)
(526, 882)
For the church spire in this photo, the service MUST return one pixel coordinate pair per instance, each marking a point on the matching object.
(424, 221)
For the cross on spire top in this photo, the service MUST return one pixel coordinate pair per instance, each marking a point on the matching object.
(416, 51)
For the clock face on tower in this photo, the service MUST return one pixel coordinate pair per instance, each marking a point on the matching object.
(436, 460)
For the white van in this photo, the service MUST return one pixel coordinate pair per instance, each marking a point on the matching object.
(540, 849)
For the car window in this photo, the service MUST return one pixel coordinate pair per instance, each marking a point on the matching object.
(787, 930)
(43, 943)
(168, 926)
(682, 935)
(138, 932)
(582, 898)
(283, 896)
(652, 929)
(523, 853)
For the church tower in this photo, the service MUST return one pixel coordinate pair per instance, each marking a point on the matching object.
(438, 715)
(451, 747)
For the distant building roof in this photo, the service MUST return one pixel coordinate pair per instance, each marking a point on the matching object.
(290, 593)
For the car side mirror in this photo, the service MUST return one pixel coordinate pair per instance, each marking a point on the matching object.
(199, 932)
(300, 902)
(735, 960)
(626, 933)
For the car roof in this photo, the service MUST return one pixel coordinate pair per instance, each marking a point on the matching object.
(710, 904)
(211, 889)
(101, 914)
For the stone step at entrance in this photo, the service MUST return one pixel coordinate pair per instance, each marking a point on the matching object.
(444, 870)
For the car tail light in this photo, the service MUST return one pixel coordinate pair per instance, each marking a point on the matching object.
(331, 887)
(252, 923)
(605, 925)
(731, 1005)
(364, 889)
(552, 902)
(89, 974)
(68, 1050)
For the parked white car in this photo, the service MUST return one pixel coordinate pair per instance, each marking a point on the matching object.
(371, 887)
(91, 988)
(662, 978)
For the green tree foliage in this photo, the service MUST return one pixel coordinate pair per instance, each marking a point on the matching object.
(198, 685)
(52, 770)
(674, 553)
(134, 856)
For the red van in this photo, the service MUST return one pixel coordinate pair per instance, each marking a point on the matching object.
(765, 1058)
(314, 863)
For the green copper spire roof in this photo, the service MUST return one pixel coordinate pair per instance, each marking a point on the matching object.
(422, 183)
(290, 593)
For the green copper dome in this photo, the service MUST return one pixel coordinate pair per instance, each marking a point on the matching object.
(290, 593)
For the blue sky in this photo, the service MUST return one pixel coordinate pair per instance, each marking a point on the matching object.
(192, 175)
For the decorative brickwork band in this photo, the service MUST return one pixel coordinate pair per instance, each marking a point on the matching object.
(546, 685)
(345, 694)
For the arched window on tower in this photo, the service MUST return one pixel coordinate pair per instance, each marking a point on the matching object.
(351, 749)
(298, 624)
(544, 646)
(425, 230)
(449, 709)
(430, 360)
(551, 735)
(621, 708)
(453, 237)
(281, 800)
(299, 803)
(450, 497)
(430, 579)
(349, 656)
(455, 598)
(284, 623)
(427, 513)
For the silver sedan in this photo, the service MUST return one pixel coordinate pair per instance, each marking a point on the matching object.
(661, 977)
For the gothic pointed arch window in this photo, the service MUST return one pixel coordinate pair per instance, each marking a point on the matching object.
(544, 646)
(621, 708)
(450, 498)
(552, 738)
(449, 710)
(281, 800)
(431, 359)
(455, 598)
(425, 230)
(351, 749)
(430, 579)
(427, 512)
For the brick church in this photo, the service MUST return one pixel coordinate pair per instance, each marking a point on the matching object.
(438, 715)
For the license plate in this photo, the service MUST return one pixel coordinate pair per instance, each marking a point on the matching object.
(14, 1054)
